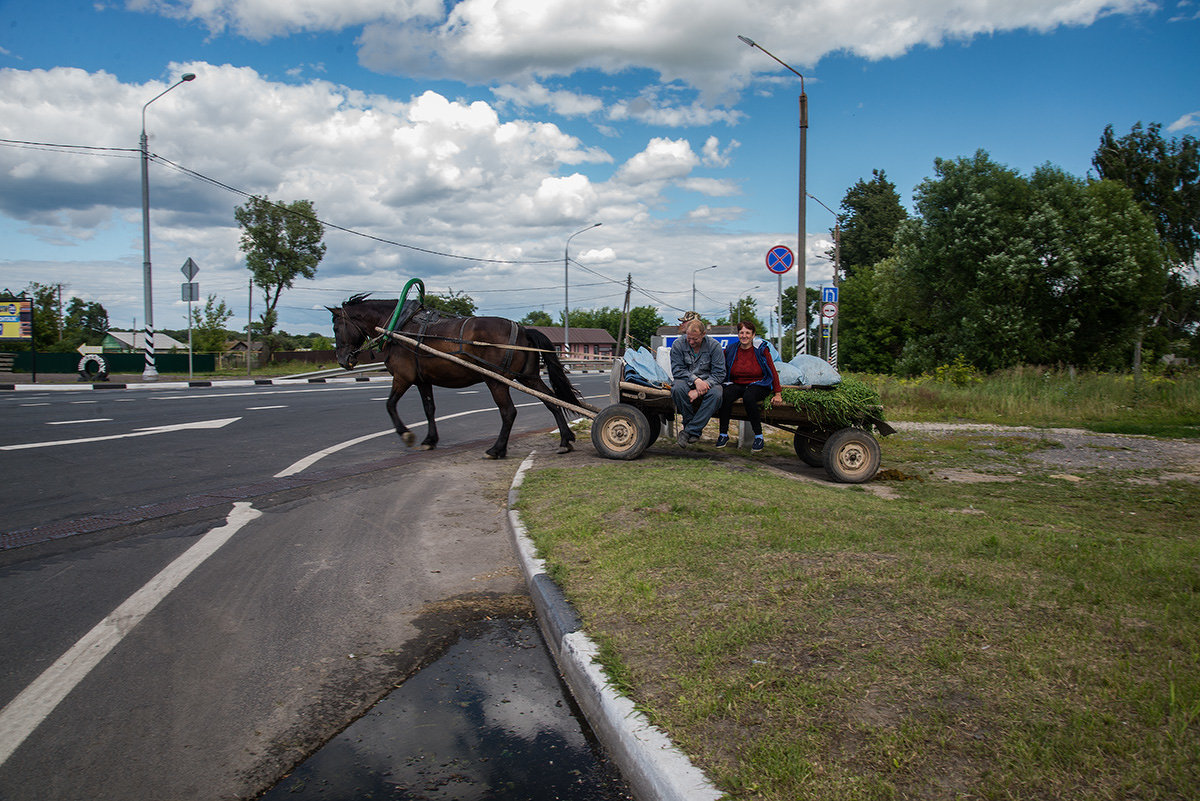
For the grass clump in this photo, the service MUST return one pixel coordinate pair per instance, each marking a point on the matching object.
(1166, 406)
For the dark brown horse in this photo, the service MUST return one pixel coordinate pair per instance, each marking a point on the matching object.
(493, 343)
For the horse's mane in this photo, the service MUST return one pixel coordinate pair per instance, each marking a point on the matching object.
(354, 300)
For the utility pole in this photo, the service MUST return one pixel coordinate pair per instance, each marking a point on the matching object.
(623, 329)
(249, 322)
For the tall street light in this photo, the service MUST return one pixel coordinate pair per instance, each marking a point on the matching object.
(801, 294)
(832, 356)
(702, 269)
(150, 373)
(566, 288)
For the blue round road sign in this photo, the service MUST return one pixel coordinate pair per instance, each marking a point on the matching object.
(780, 259)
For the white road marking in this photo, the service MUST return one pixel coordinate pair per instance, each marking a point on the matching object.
(264, 408)
(261, 392)
(74, 422)
(311, 459)
(141, 432)
(35, 703)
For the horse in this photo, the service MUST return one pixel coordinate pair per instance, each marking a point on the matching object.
(494, 343)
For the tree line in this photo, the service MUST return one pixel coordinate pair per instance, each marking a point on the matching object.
(997, 269)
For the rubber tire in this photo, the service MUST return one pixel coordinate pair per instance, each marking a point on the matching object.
(851, 456)
(811, 453)
(656, 424)
(620, 431)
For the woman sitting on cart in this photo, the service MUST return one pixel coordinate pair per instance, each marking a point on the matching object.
(750, 375)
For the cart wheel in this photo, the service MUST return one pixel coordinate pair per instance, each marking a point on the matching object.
(656, 423)
(810, 450)
(620, 431)
(851, 456)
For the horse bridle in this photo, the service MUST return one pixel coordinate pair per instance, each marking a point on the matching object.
(369, 341)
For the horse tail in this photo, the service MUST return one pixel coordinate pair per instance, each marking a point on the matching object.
(563, 389)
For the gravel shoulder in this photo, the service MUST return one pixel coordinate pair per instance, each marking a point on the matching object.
(1079, 450)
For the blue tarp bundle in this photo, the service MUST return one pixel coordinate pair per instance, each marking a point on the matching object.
(641, 368)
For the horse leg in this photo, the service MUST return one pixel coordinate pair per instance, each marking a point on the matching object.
(565, 435)
(508, 413)
(399, 386)
(431, 438)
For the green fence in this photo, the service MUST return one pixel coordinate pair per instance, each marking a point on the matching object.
(116, 362)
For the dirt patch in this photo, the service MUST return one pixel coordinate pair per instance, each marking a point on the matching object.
(1076, 452)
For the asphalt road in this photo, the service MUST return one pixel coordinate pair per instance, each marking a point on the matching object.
(255, 586)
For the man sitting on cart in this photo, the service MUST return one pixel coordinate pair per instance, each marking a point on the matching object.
(697, 370)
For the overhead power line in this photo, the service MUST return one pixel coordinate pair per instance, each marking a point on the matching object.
(133, 153)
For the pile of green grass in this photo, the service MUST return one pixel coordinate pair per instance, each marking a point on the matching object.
(849, 403)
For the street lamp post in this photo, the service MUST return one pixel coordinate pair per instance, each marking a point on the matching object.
(801, 295)
(832, 355)
(566, 288)
(150, 373)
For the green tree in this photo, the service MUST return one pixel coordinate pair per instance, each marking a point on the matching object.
(1002, 270)
(745, 309)
(813, 299)
(870, 337)
(282, 242)
(452, 303)
(1164, 177)
(208, 325)
(537, 317)
(871, 215)
(644, 322)
(47, 324)
(85, 323)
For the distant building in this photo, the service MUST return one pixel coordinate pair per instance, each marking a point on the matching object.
(584, 341)
(135, 341)
(239, 346)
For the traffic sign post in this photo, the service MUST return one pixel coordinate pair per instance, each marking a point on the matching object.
(190, 292)
(829, 317)
(779, 260)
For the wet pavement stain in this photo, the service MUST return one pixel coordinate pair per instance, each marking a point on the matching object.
(489, 719)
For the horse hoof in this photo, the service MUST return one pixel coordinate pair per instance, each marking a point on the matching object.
(425, 446)
(491, 456)
(565, 449)
(409, 438)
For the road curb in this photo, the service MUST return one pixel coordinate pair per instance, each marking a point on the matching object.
(655, 769)
(82, 386)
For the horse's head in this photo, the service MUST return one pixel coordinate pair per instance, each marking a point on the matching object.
(348, 336)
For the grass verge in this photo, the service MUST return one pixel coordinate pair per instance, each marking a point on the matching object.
(1027, 635)
(1156, 405)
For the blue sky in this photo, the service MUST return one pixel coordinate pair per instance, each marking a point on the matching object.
(495, 129)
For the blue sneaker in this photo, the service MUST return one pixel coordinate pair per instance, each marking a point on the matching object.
(722, 440)
(758, 444)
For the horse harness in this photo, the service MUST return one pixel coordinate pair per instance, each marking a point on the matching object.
(426, 317)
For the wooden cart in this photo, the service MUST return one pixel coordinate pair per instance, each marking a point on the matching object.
(636, 413)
